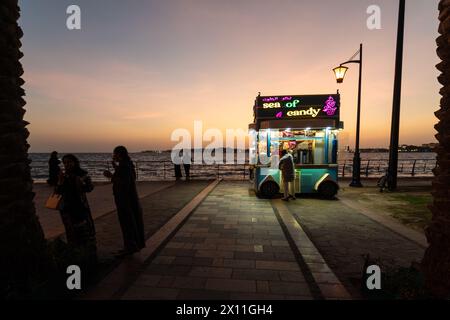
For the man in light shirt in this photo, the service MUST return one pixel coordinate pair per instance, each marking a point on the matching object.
(288, 173)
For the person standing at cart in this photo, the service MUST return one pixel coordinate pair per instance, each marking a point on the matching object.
(288, 173)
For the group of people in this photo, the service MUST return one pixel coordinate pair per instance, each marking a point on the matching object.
(72, 183)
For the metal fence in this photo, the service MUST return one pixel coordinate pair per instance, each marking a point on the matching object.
(164, 170)
(153, 170)
(378, 167)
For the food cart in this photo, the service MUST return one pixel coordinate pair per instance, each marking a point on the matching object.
(308, 127)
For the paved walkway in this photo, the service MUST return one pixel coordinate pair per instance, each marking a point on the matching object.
(344, 236)
(160, 201)
(232, 247)
(100, 199)
(157, 207)
(236, 246)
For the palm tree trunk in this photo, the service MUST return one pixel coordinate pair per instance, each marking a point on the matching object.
(436, 262)
(24, 257)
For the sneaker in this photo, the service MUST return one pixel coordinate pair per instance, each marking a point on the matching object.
(285, 199)
(292, 197)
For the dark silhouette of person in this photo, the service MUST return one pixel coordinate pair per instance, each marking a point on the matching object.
(53, 169)
(126, 198)
(187, 163)
(287, 168)
(73, 184)
(187, 169)
(178, 173)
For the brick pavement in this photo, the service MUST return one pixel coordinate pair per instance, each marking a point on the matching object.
(158, 208)
(344, 236)
(100, 200)
(232, 247)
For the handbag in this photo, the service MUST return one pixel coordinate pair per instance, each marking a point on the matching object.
(54, 201)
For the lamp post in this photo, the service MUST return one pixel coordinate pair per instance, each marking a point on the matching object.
(340, 74)
(395, 122)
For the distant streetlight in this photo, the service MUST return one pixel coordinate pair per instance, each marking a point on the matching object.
(339, 73)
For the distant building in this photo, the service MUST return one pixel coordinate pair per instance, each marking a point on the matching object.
(411, 148)
(430, 145)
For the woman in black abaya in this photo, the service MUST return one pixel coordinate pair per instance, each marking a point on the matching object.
(126, 198)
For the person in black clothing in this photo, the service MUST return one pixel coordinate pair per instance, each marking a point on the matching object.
(127, 201)
(187, 169)
(73, 184)
(53, 169)
(178, 173)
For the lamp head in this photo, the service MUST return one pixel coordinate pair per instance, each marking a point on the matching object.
(339, 73)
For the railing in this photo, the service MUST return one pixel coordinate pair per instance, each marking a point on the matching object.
(153, 170)
(378, 167)
(164, 170)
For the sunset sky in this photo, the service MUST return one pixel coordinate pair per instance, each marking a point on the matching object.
(139, 69)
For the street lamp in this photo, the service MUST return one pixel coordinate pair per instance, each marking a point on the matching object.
(340, 72)
(395, 122)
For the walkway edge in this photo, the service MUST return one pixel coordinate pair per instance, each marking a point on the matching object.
(390, 223)
(116, 282)
(329, 285)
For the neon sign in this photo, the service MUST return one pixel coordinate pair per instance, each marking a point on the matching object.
(292, 104)
(310, 112)
(272, 99)
(298, 107)
(277, 105)
(272, 105)
(329, 107)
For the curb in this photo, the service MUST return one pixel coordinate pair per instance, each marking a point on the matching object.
(328, 284)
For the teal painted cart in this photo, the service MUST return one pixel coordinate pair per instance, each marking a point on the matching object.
(306, 126)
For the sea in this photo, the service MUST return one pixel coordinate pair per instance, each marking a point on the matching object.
(154, 166)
